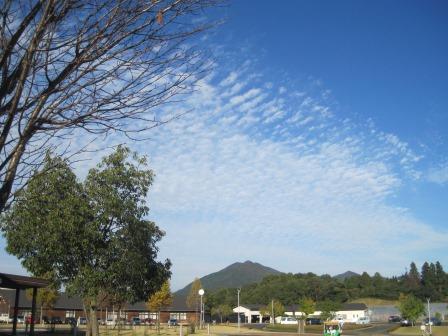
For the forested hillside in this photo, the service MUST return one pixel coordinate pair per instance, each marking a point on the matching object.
(237, 274)
(290, 288)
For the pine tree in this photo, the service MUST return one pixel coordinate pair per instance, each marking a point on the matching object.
(412, 280)
(441, 280)
(429, 282)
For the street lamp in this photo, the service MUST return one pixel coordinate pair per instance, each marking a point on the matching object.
(201, 293)
(238, 292)
(429, 317)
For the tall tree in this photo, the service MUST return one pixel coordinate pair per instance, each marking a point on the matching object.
(96, 66)
(160, 299)
(223, 310)
(412, 280)
(307, 306)
(193, 298)
(91, 235)
(410, 307)
(273, 308)
(328, 309)
(441, 280)
(429, 281)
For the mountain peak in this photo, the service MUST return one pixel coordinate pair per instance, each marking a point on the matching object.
(345, 275)
(235, 275)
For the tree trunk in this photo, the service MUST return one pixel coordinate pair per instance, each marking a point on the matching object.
(92, 321)
(158, 322)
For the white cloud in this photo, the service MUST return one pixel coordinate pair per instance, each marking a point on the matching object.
(282, 181)
(438, 174)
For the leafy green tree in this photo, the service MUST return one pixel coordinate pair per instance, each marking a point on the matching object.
(410, 307)
(222, 310)
(91, 236)
(160, 299)
(328, 309)
(273, 309)
(307, 306)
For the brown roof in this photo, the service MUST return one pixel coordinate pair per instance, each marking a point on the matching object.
(66, 302)
(12, 281)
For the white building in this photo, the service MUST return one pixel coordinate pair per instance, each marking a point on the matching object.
(349, 312)
(251, 313)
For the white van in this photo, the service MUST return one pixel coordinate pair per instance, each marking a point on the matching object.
(363, 320)
(288, 320)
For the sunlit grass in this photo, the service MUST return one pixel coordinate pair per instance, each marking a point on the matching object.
(436, 331)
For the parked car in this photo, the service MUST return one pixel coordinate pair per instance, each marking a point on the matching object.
(136, 321)
(21, 319)
(110, 322)
(434, 321)
(45, 320)
(313, 320)
(394, 318)
(288, 320)
(82, 320)
(123, 321)
(406, 322)
(363, 320)
(4, 318)
(28, 320)
(172, 322)
(70, 320)
(148, 321)
(56, 320)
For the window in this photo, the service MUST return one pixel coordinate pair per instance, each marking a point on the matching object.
(178, 316)
(70, 313)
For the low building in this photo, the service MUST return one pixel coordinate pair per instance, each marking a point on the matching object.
(66, 306)
(349, 312)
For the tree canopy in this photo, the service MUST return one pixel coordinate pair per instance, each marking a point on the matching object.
(410, 307)
(91, 237)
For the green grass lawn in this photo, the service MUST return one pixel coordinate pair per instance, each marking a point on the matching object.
(413, 331)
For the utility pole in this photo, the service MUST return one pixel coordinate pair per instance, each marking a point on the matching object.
(238, 293)
(201, 318)
(429, 317)
(272, 311)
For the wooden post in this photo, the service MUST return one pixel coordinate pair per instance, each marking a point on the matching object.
(33, 311)
(16, 312)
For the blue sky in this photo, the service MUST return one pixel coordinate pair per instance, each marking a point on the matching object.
(319, 142)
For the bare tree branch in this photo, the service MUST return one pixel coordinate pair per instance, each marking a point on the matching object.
(98, 66)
